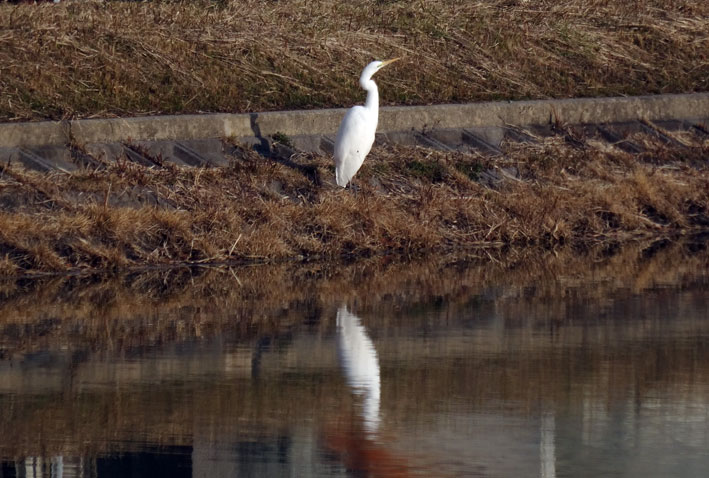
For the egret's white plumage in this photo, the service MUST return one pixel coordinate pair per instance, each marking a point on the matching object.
(361, 365)
(356, 134)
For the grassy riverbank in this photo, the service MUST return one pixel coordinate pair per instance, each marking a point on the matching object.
(410, 200)
(92, 58)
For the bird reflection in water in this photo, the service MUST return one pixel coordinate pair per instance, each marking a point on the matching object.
(359, 361)
(355, 438)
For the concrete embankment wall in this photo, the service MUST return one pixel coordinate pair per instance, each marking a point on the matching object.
(197, 140)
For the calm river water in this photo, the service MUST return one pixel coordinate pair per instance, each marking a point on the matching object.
(547, 367)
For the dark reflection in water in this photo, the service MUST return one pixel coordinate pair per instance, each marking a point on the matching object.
(562, 366)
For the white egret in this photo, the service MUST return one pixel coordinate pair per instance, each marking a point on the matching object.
(356, 134)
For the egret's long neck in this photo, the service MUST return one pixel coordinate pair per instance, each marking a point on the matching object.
(372, 102)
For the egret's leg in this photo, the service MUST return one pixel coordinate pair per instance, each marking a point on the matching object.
(353, 187)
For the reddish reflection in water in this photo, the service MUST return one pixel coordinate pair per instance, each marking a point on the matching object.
(360, 453)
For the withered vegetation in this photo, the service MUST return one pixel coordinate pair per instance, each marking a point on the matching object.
(103, 58)
(408, 200)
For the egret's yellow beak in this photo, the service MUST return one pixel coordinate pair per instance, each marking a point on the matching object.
(386, 62)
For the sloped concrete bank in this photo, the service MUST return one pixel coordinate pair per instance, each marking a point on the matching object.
(196, 140)
(109, 195)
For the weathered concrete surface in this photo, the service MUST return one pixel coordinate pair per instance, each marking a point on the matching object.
(200, 140)
(325, 122)
(539, 112)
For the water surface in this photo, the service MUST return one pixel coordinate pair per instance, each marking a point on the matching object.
(532, 369)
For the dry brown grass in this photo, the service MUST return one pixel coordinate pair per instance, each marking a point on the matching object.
(91, 58)
(410, 200)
